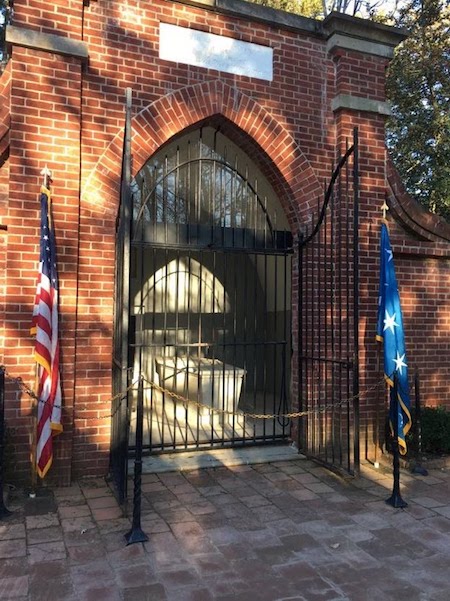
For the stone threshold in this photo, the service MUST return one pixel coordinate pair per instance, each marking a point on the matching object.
(194, 460)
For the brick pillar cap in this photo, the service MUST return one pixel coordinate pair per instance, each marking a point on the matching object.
(364, 29)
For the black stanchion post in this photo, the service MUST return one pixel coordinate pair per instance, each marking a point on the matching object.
(418, 469)
(136, 534)
(3, 511)
(395, 499)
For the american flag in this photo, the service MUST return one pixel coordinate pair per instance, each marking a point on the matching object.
(45, 328)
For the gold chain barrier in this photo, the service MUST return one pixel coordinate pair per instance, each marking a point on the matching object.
(30, 392)
(291, 415)
(178, 397)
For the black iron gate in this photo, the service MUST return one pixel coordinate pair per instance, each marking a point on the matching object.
(210, 322)
(203, 307)
(328, 322)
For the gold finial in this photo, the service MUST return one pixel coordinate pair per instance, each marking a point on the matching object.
(47, 174)
(384, 208)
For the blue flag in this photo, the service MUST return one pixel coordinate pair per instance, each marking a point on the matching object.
(390, 332)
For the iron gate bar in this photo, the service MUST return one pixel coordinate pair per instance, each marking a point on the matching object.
(356, 299)
(283, 248)
(332, 339)
(347, 416)
(302, 434)
(323, 333)
(328, 321)
(120, 363)
(328, 194)
(339, 313)
(327, 360)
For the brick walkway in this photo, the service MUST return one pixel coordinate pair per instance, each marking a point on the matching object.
(288, 530)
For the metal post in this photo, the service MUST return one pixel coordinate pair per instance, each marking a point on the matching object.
(3, 511)
(136, 534)
(301, 439)
(418, 469)
(126, 215)
(376, 463)
(395, 499)
(356, 454)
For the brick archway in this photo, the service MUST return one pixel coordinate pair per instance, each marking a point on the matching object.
(250, 126)
(282, 160)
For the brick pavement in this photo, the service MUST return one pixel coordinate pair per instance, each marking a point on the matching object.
(289, 530)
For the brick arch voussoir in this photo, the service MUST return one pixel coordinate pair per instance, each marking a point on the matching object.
(291, 174)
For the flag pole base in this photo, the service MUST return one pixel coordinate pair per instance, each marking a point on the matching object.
(396, 501)
(418, 469)
(136, 535)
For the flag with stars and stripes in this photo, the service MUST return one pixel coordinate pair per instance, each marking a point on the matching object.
(46, 350)
(390, 332)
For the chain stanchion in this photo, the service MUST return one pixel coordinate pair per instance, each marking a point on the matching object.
(136, 534)
(4, 512)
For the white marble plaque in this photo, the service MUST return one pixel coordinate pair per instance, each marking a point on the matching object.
(192, 47)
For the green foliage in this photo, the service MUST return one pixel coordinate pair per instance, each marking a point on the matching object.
(378, 10)
(5, 17)
(308, 8)
(435, 427)
(418, 85)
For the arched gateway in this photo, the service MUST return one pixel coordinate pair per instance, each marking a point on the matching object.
(203, 305)
(210, 295)
(205, 262)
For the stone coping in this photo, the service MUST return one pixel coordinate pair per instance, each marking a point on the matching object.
(410, 213)
(358, 103)
(47, 42)
(334, 23)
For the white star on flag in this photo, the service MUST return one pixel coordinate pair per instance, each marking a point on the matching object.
(399, 362)
(389, 322)
(390, 254)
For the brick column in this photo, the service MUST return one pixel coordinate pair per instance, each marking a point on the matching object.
(361, 51)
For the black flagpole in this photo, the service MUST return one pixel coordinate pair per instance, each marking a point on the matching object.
(395, 499)
(136, 534)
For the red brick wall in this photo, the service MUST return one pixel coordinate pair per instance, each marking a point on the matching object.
(424, 281)
(61, 18)
(71, 116)
(45, 118)
(423, 273)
